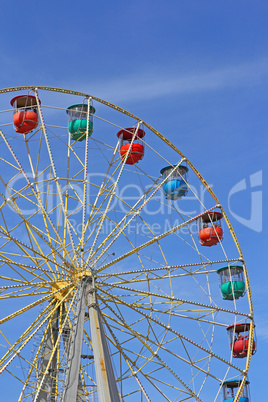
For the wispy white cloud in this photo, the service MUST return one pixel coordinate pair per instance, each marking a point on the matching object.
(147, 85)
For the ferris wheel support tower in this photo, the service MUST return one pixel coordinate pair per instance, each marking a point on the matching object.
(107, 389)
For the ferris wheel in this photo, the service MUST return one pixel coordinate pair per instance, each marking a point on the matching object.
(121, 277)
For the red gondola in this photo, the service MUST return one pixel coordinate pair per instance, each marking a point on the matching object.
(210, 229)
(239, 339)
(137, 150)
(25, 117)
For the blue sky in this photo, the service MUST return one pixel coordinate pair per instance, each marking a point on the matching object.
(195, 70)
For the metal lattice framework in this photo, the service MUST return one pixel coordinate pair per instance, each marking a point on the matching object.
(102, 279)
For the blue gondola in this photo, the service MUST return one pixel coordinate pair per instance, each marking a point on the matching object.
(230, 389)
(176, 185)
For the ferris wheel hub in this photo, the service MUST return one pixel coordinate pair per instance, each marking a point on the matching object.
(62, 289)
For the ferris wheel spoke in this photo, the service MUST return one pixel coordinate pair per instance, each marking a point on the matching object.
(28, 225)
(108, 188)
(50, 352)
(18, 294)
(57, 289)
(95, 223)
(162, 347)
(33, 258)
(67, 197)
(56, 178)
(41, 235)
(115, 224)
(34, 174)
(43, 354)
(146, 343)
(27, 180)
(169, 274)
(164, 326)
(207, 309)
(23, 340)
(85, 185)
(102, 188)
(113, 192)
(28, 285)
(25, 269)
(134, 211)
(155, 239)
(154, 379)
(11, 279)
(132, 363)
(18, 268)
(121, 275)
